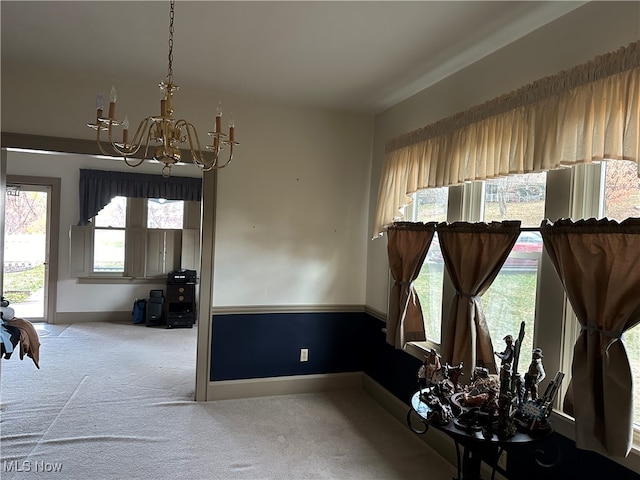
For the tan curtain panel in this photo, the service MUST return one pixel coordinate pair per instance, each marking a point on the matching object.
(598, 262)
(473, 255)
(407, 247)
(588, 113)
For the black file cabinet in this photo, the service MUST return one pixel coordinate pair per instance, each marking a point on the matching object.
(180, 305)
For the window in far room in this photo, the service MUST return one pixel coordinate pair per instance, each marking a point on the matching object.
(109, 237)
(511, 298)
(136, 238)
(163, 213)
(430, 205)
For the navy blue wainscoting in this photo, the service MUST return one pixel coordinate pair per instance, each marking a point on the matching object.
(248, 345)
(394, 369)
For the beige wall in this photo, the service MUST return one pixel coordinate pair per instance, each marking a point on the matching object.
(290, 228)
(579, 36)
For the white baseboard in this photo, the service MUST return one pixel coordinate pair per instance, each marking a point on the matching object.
(262, 387)
(79, 317)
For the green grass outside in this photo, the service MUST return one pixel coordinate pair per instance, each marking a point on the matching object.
(18, 286)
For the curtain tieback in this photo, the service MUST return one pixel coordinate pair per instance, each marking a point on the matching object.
(465, 295)
(399, 283)
(607, 333)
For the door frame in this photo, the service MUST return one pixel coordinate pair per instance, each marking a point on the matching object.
(53, 236)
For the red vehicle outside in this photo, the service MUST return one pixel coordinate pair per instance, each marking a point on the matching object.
(524, 255)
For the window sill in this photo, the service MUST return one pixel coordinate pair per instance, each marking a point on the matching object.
(419, 349)
(111, 280)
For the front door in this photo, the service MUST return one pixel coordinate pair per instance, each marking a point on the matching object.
(26, 249)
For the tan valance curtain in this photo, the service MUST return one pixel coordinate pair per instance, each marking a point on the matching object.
(407, 247)
(473, 255)
(586, 114)
(598, 262)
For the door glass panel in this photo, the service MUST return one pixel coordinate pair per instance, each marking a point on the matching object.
(25, 250)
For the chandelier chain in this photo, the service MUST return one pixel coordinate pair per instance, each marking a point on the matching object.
(170, 69)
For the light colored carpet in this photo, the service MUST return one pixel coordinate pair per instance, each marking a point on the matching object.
(114, 401)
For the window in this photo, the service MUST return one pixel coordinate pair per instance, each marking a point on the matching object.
(621, 199)
(109, 237)
(610, 189)
(163, 213)
(136, 238)
(430, 205)
(511, 299)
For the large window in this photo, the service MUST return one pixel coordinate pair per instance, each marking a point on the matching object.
(610, 189)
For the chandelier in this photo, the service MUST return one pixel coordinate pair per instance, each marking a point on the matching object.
(163, 129)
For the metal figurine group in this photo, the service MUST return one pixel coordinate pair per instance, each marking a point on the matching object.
(493, 404)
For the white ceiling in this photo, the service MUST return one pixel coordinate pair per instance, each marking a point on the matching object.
(351, 55)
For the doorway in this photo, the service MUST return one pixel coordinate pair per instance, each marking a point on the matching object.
(27, 272)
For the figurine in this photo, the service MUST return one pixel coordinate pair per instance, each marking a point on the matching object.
(441, 413)
(429, 367)
(517, 386)
(453, 374)
(506, 356)
(505, 378)
(479, 373)
(506, 425)
(535, 374)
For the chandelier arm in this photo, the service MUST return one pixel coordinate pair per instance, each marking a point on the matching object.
(99, 142)
(131, 164)
(126, 150)
(231, 144)
(146, 148)
(198, 158)
(137, 142)
(142, 126)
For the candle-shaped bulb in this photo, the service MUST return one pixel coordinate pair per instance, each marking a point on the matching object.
(112, 103)
(232, 128)
(125, 130)
(99, 102)
(219, 118)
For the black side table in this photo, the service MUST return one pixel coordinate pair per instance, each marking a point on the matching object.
(476, 447)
